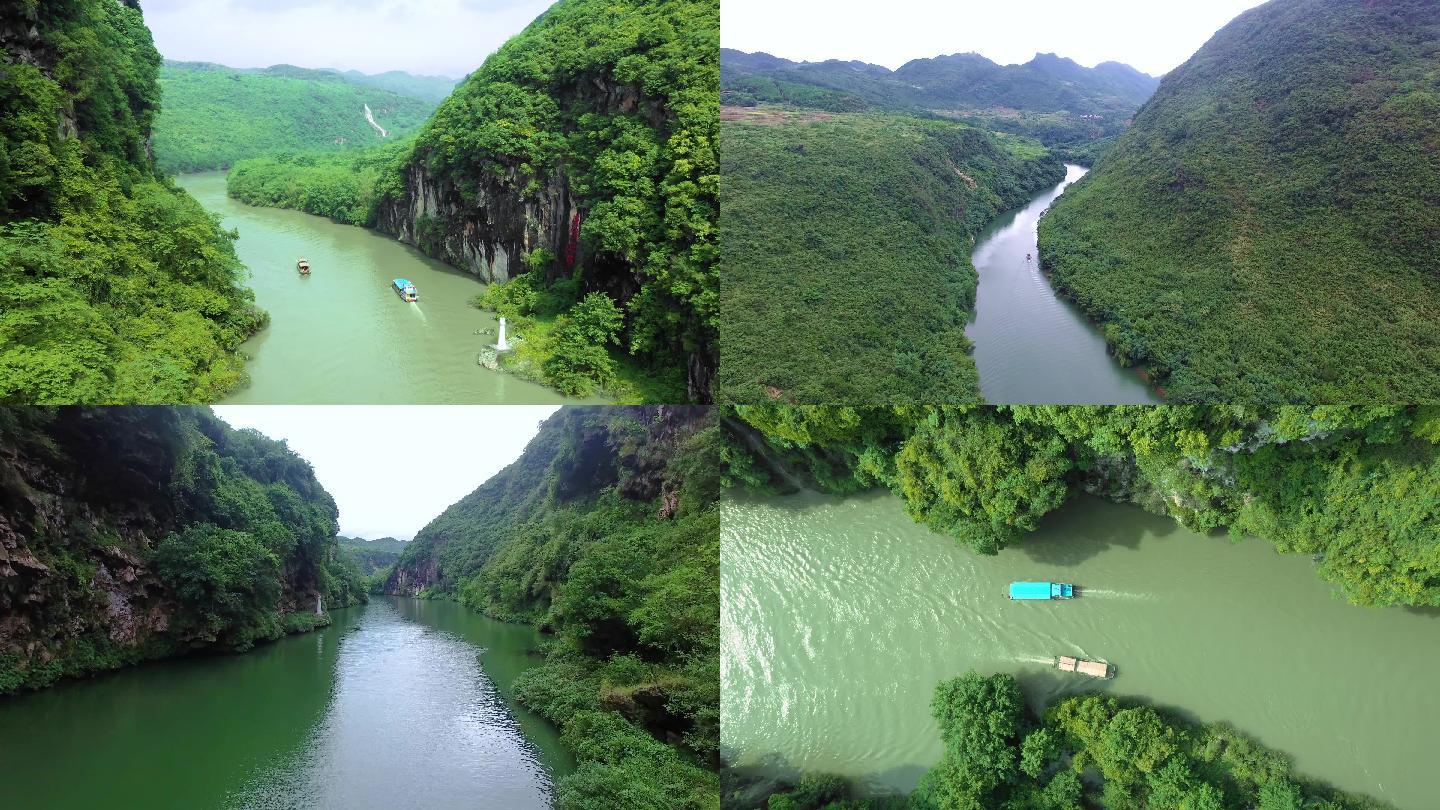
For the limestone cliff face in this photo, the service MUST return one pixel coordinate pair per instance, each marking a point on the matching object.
(488, 223)
(489, 234)
(86, 496)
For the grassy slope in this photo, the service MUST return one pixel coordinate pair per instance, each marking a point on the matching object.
(1269, 230)
(212, 116)
(845, 244)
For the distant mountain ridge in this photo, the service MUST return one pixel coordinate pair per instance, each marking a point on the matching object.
(426, 88)
(1046, 83)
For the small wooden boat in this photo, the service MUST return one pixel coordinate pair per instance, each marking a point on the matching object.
(303, 266)
(1095, 669)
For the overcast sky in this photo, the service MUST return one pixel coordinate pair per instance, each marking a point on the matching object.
(391, 469)
(1151, 35)
(428, 37)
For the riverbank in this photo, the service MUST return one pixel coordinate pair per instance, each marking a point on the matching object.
(1031, 344)
(337, 718)
(823, 596)
(341, 335)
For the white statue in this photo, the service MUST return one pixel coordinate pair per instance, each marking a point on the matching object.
(501, 345)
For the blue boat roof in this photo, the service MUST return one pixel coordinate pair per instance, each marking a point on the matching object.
(403, 282)
(1029, 590)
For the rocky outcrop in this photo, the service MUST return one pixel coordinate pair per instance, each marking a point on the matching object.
(490, 233)
(86, 496)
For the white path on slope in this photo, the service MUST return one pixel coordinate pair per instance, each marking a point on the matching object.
(369, 116)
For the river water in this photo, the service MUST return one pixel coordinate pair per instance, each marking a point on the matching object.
(1031, 345)
(400, 703)
(839, 617)
(342, 335)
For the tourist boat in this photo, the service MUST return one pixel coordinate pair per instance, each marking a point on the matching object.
(1041, 590)
(303, 266)
(405, 290)
(1095, 669)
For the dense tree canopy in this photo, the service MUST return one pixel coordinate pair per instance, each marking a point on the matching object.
(114, 287)
(846, 241)
(1359, 487)
(1269, 229)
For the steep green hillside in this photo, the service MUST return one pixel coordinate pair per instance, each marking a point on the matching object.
(605, 534)
(129, 534)
(211, 116)
(1359, 488)
(845, 245)
(1269, 229)
(115, 287)
(1050, 97)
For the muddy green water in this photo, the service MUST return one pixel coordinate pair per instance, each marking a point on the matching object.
(342, 335)
(1031, 345)
(839, 617)
(400, 703)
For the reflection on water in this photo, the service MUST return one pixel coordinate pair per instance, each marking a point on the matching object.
(397, 704)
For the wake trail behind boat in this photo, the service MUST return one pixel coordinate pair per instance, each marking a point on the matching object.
(1109, 594)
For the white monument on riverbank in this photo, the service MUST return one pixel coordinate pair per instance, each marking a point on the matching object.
(501, 345)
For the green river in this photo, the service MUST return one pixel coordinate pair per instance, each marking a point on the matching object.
(342, 335)
(839, 617)
(400, 703)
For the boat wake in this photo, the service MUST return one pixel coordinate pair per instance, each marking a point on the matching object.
(1103, 593)
(419, 313)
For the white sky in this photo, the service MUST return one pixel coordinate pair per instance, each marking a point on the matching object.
(1151, 35)
(428, 37)
(393, 468)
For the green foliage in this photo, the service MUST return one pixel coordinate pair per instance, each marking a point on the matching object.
(1266, 232)
(114, 287)
(579, 357)
(646, 181)
(344, 187)
(214, 116)
(371, 555)
(170, 532)
(847, 242)
(606, 534)
(1357, 486)
(1141, 758)
(228, 581)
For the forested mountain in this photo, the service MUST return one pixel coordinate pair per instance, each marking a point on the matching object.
(1356, 487)
(426, 88)
(846, 242)
(579, 164)
(129, 534)
(211, 115)
(1050, 97)
(372, 555)
(114, 286)
(1269, 228)
(605, 534)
